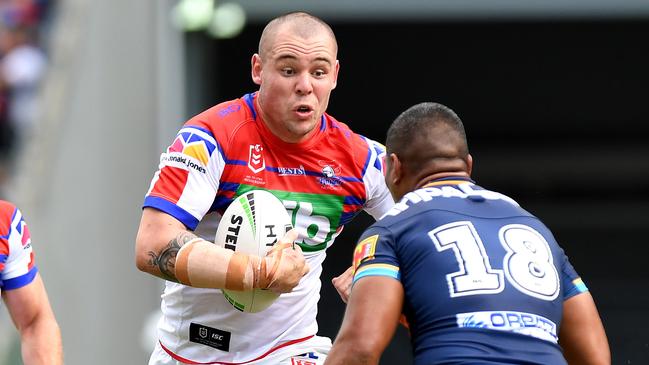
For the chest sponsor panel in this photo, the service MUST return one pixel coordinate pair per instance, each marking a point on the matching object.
(315, 216)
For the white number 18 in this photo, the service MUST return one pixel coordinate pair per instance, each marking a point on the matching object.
(528, 263)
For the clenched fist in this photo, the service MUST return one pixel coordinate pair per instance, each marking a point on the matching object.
(284, 264)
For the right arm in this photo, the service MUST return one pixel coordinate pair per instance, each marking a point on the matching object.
(166, 249)
(159, 238)
(582, 334)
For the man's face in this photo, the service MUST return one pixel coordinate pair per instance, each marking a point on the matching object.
(295, 79)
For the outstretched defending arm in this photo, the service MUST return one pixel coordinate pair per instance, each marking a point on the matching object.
(582, 334)
(166, 249)
(30, 311)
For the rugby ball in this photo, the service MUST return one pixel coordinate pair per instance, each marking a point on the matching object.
(252, 224)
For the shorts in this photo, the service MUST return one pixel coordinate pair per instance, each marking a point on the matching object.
(318, 348)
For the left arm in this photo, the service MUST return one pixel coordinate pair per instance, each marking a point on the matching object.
(371, 318)
(30, 311)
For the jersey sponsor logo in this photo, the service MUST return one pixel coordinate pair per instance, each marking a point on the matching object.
(529, 324)
(256, 162)
(291, 171)
(183, 162)
(229, 110)
(464, 191)
(190, 150)
(365, 250)
(192, 143)
(316, 217)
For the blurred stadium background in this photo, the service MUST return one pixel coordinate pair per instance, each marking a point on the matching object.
(554, 95)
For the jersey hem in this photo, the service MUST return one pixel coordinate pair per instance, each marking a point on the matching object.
(188, 361)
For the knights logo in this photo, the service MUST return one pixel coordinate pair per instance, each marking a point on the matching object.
(256, 162)
(202, 332)
(328, 171)
(330, 168)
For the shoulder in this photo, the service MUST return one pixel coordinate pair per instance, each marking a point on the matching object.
(8, 213)
(222, 119)
(215, 127)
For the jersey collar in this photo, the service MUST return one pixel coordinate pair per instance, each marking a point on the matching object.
(448, 180)
(273, 139)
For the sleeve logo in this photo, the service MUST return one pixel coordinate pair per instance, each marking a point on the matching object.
(365, 250)
(194, 149)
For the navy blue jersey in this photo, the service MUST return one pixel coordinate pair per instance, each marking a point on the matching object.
(484, 280)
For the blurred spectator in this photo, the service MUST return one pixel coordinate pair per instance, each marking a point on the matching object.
(22, 67)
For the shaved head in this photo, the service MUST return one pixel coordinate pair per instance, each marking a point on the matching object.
(301, 24)
(428, 137)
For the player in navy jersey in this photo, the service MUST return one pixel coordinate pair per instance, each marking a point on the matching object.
(478, 279)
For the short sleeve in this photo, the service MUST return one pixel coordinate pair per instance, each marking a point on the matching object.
(379, 200)
(188, 176)
(19, 267)
(572, 282)
(375, 255)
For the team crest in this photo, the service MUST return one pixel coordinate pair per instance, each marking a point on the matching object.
(365, 250)
(256, 162)
(330, 171)
(202, 332)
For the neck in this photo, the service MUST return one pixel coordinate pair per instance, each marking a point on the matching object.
(429, 178)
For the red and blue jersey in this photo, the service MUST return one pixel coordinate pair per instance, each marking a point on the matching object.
(323, 182)
(17, 267)
(484, 280)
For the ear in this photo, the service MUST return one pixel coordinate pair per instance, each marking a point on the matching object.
(469, 164)
(336, 69)
(256, 68)
(396, 170)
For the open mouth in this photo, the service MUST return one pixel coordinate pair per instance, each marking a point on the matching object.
(304, 111)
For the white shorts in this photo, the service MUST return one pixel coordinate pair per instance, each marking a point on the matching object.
(311, 352)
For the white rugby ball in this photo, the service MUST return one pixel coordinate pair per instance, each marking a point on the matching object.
(252, 224)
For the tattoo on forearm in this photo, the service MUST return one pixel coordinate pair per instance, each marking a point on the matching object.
(165, 260)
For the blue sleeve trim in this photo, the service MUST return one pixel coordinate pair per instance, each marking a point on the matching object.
(20, 281)
(377, 272)
(577, 288)
(172, 209)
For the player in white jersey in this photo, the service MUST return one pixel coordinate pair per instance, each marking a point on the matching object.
(279, 139)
